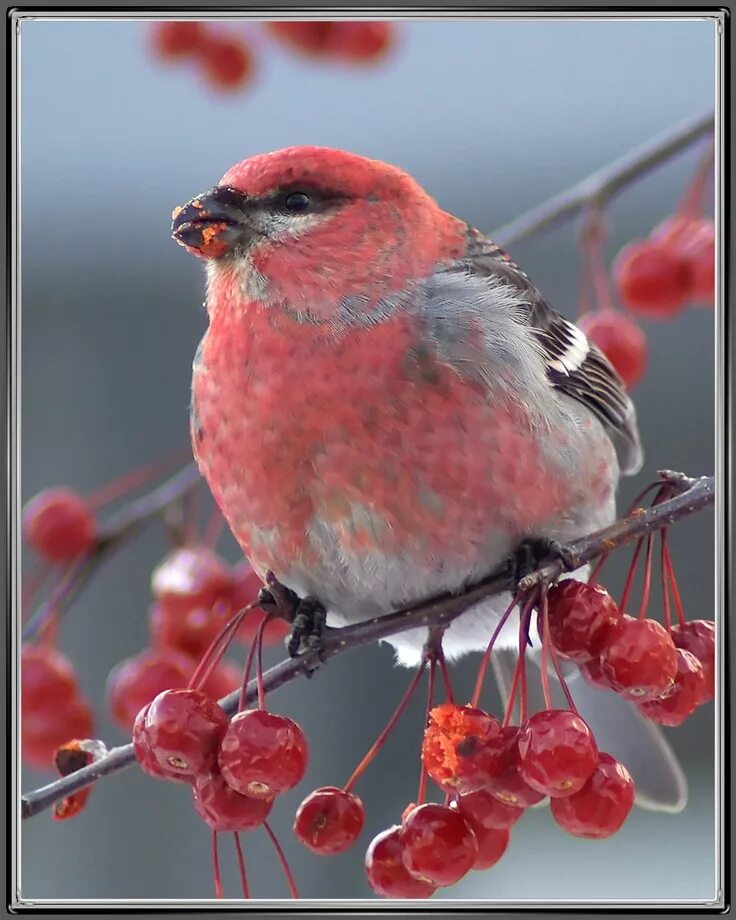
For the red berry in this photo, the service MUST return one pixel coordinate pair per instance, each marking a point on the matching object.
(591, 671)
(699, 637)
(386, 872)
(177, 39)
(482, 809)
(438, 844)
(143, 753)
(652, 278)
(315, 38)
(694, 242)
(193, 578)
(580, 616)
(48, 679)
(223, 808)
(620, 340)
(190, 632)
(183, 729)
(492, 844)
(227, 62)
(362, 42)
(48, 729)
(135, 681)
(688, 693)
(463, 747)
(59, 525)
(600, 808)
(263, 754)
(639, 660)
(557, 752)
(226, 677)
(508, 786)
(329, 820)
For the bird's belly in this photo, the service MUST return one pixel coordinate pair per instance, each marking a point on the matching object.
(369, 490)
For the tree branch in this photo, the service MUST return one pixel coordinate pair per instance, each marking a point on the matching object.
(121, 527)
(601, 186)
(690, 496)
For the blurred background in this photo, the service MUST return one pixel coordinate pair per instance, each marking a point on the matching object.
(492, 117)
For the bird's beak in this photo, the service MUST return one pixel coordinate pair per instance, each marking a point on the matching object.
(209, 225)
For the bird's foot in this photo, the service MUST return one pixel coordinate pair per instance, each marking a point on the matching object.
(531, 554)
(307, 616)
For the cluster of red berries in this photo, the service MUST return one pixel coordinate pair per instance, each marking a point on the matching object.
(353, 42)
(655, 278)
(227, 60)
(52, 708)
(195, 594)
(668, 673)
(59, 525)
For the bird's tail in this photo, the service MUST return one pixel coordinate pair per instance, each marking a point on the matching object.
(619, 730)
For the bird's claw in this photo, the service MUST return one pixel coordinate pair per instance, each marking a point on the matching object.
(308, 627)
(530, 554)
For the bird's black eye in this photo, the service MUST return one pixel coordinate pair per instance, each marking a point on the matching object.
(297, 201)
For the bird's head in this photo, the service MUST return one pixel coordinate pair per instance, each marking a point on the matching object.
(312, 226)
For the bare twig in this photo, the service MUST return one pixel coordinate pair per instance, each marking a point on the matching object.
(693, 495)
(601, 186)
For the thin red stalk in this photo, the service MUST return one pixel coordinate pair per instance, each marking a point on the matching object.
(214, 528)
(217, 648)
(216, 866)
(134, 479)
(665, 587)
(378, 743)
(691, 202)
(520, 669)
(480, 679)
(246, 675)
(561, 679)
(512, 693)
(646, 589)
(282, 860)
(596, 570)
(543, 616)
(673, 583)
(258, 641)
(33, 584)
(630, 577)
(594, 237)
(422, 791)
(445, 676)
(241, 865)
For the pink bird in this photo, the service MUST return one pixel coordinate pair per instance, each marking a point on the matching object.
(385, 407)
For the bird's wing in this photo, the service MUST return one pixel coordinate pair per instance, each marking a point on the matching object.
(574, 365)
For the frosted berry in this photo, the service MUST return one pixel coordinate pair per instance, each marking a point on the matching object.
(482, 809)
(387, 875)
(557, 752)
(652, 278)
(48, 679)
(580, 617)
(694, 242)
(329, 820)
(439, 845)
(223, 808)
(59, 525)
(620, 340)
(687, 694)
(699, 637)
(193, 578)
(177, 39)
(508, 786)
(591, 671)
(492, 844)
(600, 808)
(137, 680)
(227, 62)
(263, 754)
(46, 730)
(462, 748)
(183, 729)
(639, 660)
(143, 753)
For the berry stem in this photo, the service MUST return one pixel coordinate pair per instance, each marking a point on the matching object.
(561, 679)
(630, 577)
(134, 479)
(543, 616)
(665, 586)
(241, 866)
(596, 570)
(482, 670)
(214, 528)
(422, 790)
(673, 582)
(520, 669)
(216, 866)
(246, 676)
(646, 589)
(378, 743)
(217, 649)
(445, 675)
(258, 641)
(282, 860)
(593, 238)
(692, 202)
